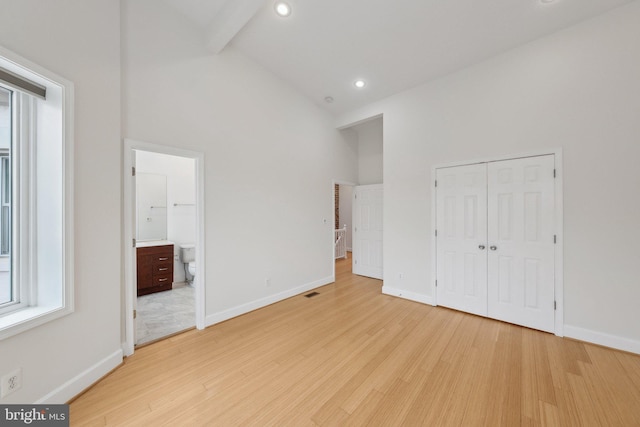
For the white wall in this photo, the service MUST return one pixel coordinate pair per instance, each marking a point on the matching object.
(181, 189)
(578, 89)
(370, 152)
(270, 156)
(80, 41)
(345, 203)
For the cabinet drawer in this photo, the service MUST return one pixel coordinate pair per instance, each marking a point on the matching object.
(162, 279)
(162, 258)
(162, 269)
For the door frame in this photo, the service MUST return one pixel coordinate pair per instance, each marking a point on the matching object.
(335, 182)
(559, 209)
(128, 251)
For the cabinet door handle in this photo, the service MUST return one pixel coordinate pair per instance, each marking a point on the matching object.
(493, 248)
(481, 247)
(163, 269)
(163, 280)
(162, 259)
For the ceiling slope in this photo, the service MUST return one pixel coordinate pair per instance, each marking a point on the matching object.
(324, 46)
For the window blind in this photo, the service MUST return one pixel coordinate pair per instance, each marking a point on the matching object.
(20, 83)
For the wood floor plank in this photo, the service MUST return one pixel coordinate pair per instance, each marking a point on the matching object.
(361, 414)
(630, 366)
(360, 375)
(392, 409)
(568, 411)
(352, 356)
(537, 386)
(505, 405)
(426, 402)
(616, 394)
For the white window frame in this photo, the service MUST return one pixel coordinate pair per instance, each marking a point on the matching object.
(3, 193)
(15, 291)
(22, 163)
(42, 203)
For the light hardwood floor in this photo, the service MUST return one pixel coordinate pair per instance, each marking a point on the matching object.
(352, 356)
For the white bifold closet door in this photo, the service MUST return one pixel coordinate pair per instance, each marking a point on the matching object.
(495, 241)
(462, 235)
(521, 201)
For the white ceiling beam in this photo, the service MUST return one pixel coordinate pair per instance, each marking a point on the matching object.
(229, 21)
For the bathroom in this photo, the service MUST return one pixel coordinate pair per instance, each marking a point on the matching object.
(165, 230)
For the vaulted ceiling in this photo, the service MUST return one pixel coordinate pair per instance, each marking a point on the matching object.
(325, 45)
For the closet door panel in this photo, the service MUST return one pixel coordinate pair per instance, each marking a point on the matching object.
(461, 223)
(521, 241)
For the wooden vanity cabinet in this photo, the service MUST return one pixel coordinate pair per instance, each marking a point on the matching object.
(154, 269)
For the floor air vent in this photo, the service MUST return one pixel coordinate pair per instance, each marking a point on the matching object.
(312, 294)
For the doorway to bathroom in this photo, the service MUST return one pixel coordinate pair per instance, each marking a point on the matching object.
(163, 242)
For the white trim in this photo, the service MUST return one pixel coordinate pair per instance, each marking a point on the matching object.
(559, 215)
(60, 93)
(497, 158)
(83, 380)
(350, 122)
(600, 338)
(36, 73)
(434, 241)
(263, 302)
(129, 253)
(559, 253)
(68, 207)
(408, 295)
(347, 183)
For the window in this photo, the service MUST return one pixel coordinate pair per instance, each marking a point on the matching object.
(7, 293)
(36, 251)
(5, 204)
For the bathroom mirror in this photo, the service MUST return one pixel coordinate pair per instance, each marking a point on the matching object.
(151, 206)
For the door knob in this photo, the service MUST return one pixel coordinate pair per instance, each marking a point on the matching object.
(481, 247)
(493, 248)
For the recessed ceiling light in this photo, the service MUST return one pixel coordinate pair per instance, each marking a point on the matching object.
(359, 83)
(547, 1)
(282, 9)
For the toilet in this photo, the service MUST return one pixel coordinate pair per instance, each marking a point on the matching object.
(188, 258)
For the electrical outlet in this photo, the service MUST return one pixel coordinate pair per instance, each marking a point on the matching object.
(267, 282)
(400, 276)
(11, 382)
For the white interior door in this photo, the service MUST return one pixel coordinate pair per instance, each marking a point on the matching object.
(367, 230)
(521, 211)
(461, 226)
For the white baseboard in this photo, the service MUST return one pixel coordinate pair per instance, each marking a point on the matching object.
(262, 302)
(575, 332)
(411, 296)
(601, 338)
(83, 380)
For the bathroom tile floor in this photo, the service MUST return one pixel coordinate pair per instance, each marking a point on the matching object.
(165, 313)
